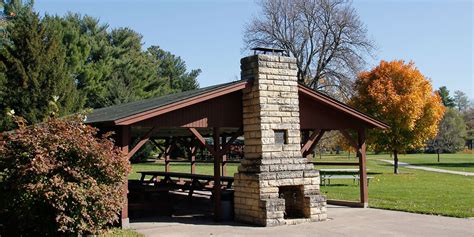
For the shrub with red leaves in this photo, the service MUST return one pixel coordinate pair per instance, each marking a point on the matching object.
(60, 179)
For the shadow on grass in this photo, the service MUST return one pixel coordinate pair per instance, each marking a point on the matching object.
(337, 185)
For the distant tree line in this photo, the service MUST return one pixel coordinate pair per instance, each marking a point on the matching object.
(456, 129)
(77, 62)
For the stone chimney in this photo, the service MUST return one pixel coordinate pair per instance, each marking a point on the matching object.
(275, 185)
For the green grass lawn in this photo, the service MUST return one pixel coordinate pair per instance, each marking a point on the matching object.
(411, 190)
(457, 162)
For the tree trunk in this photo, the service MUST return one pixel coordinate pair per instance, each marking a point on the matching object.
(395, 163)
(437, 151)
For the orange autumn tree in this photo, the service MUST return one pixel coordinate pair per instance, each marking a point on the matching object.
(398, 94)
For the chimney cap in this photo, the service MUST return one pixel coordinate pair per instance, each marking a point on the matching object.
(269, 50)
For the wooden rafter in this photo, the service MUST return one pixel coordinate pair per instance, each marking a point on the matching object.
(142, 142)
(312, 142)
(202, 141)
(349, 138)
(157, 145)
(228, 144)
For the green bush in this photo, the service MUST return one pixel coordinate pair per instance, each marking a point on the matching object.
(60, 179)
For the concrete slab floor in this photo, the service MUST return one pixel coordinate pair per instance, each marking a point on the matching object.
(343, 221)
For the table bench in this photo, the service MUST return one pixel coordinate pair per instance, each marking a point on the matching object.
(326, 179)
(183, 181)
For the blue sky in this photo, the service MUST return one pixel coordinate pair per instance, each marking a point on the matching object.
(437, 35)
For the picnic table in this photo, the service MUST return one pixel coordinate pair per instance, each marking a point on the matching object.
(326, 178)
(339, 170)
(183, 181)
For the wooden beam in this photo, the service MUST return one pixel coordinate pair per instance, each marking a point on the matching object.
(364, 194)
(162, 150)
(304, 137)
(157, 145)
(312, 142)
(217, 175)
(349, 138)
(235, 135)
(142, 142)
(198, 136)
(202, 141)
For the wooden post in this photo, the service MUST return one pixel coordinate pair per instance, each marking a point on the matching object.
(217, 176)
(224, 157)
(361, 147)
(169, 148)
(216, 152)
(123, 142)
(194, 149)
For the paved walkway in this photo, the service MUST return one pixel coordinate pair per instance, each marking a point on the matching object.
(343, 221)
(406, 165)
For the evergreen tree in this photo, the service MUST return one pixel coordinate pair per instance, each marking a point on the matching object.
(448, 101)
(173, 69)
(10, 9)
(82, 63)
(35, 72)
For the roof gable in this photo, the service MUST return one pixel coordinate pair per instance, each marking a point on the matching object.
(341, 107)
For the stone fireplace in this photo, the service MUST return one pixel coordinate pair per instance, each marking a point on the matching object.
(275, 185)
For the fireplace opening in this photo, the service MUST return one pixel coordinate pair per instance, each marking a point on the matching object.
(294, 201)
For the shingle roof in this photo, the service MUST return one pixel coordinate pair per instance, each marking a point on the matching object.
(112, 113)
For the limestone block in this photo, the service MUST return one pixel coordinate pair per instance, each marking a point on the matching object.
(288, 108)
(266, 176)
(290, 174)
(285, 59)
(267, 119)
(268, 190)
(271, 147)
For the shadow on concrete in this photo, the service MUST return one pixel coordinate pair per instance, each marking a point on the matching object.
(175, 207)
